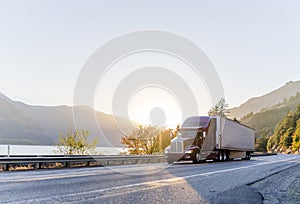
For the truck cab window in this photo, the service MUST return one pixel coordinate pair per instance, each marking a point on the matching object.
(187, 133)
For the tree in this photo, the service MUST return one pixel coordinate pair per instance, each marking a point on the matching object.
(220, 109)
(286, 140)
(271, 144)
(296, 137)
(261, 144)
(75, 143)
(134, 144)
(147, 140)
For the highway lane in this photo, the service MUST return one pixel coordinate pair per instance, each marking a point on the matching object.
(146, 183)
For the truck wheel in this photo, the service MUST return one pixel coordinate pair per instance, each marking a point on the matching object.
(221, 156)
(196, 160)
(248, 156)
(226, 156)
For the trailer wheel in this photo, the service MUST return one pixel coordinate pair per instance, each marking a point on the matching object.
(196, 160)
(248, 156)
(226, 156)
(221, 154)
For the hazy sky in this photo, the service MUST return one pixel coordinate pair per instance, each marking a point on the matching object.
(254, 45)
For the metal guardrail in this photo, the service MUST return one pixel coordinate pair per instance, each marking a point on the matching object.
(44, 161)
(39, 162)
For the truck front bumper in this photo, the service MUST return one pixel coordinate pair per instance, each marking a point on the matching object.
(173, 157)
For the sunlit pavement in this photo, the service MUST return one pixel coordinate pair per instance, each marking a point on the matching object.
(150, 183)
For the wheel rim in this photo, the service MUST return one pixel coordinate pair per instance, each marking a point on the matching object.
(197, 157)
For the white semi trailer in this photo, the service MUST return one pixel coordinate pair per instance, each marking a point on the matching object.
(211, 138)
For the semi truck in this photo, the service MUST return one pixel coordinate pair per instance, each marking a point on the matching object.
(217, 138)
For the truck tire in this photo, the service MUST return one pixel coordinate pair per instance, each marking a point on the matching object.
(221, 156)
(248, 156)
(226, 156)
(196, 159)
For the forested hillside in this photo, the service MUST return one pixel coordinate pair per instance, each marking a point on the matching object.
(266, 121)
(287, 133)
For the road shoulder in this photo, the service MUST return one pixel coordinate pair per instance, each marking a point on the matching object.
(282, 187)
(242, 194)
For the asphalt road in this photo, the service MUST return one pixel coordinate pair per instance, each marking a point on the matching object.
(145, 183)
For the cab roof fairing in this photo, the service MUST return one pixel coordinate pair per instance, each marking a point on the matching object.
(196, 122)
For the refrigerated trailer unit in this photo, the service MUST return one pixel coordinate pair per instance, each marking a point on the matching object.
(216, 138)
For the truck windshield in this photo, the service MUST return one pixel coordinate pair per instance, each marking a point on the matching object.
(187, 133)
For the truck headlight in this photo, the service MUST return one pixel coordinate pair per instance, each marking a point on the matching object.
(188, 151)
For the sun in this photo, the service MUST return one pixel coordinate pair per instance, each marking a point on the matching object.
(154, 105)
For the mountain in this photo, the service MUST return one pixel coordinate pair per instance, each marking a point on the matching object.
(266, 101)
(25, 124)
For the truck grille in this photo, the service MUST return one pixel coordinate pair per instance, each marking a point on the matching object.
(177, 146)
